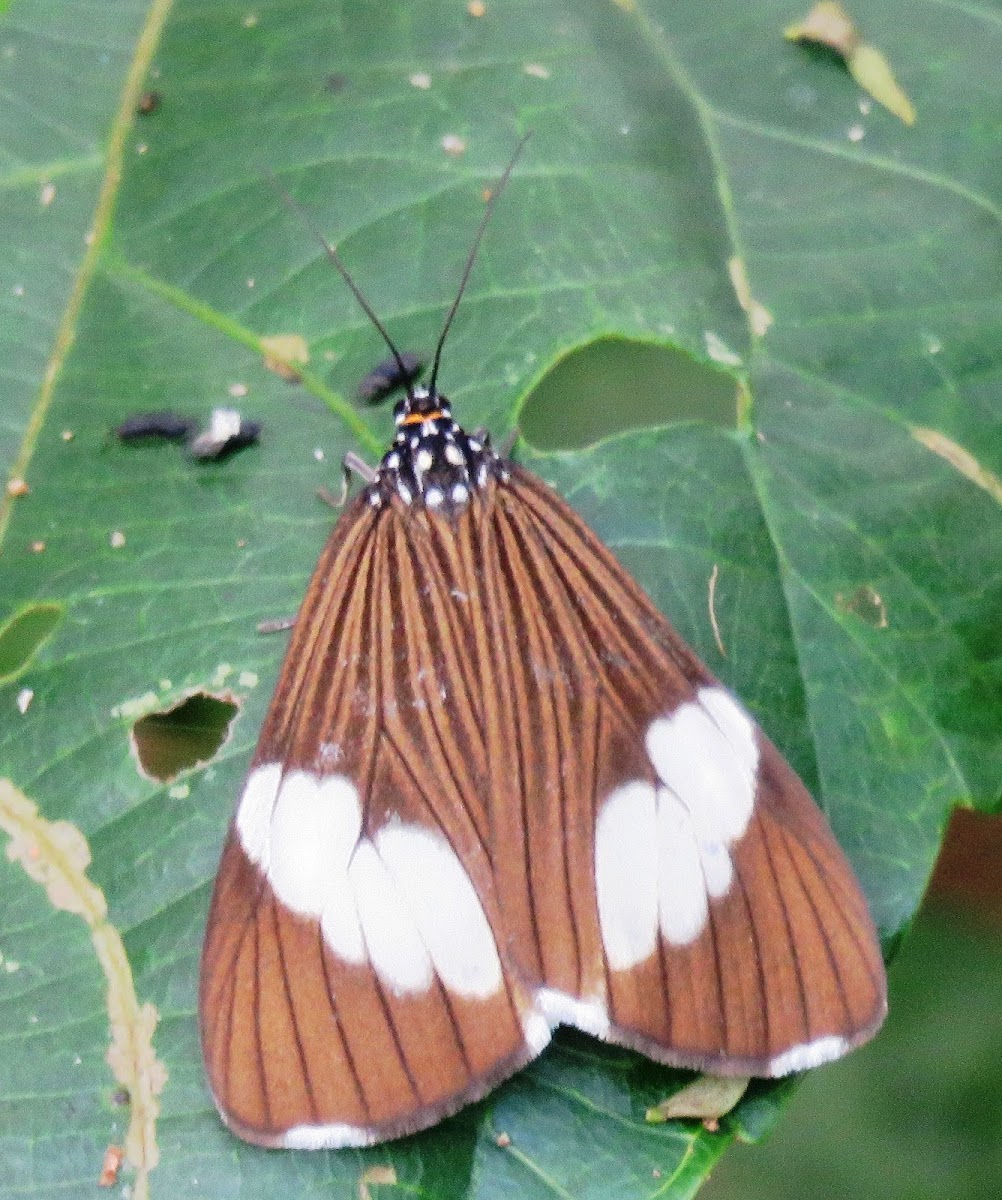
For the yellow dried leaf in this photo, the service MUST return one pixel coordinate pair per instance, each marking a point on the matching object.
(758, 315)
(961, 460)
(284, 352)
(829, 25)
(872, 72)
(705, 1099)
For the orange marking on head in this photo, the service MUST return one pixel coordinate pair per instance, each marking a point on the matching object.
(420, 418)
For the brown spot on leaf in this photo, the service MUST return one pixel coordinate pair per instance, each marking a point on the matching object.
(866, 603)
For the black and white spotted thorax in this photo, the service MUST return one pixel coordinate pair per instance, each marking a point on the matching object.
(433, 461)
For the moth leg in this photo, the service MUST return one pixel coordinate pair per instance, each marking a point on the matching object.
(351, 464)
(276, 624)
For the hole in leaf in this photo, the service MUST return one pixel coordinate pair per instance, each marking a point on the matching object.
(612, 385)
(185, 736)
(22, 636)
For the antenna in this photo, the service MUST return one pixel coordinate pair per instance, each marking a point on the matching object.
(356, 291)
(488, 211)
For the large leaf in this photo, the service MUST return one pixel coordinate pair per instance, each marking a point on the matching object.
(850, 521)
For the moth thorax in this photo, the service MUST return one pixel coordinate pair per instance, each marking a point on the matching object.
(433, 461)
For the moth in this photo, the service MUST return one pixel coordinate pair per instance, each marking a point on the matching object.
(494, 793)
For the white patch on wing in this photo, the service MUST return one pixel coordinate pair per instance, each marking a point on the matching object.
(315, 827)
(327, 1137)
(537, 1031)
(734, 723)
(626, 874)
(254, 811)
(807, 1055)
(401, 899)
(682, 899)
(694, 758)
(340, 924)
(445, 906)
(392, 939)
(303, 834)
(662, 851)
(718, 871)
(590, 1016)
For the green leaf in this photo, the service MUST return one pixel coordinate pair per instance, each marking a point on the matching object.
(850, 520)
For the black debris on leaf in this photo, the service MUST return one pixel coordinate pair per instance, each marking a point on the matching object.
(166, 425)
(228, 431)
(384, 380)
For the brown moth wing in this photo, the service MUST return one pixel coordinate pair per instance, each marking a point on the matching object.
(296, 1037)
(787, 970)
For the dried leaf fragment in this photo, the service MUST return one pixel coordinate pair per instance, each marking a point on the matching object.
(284, 353)
(961, 460)
(706, 1099)
(759, 316)
(872, 72)
(454, 145)
(828, 24)
(372, 1177)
